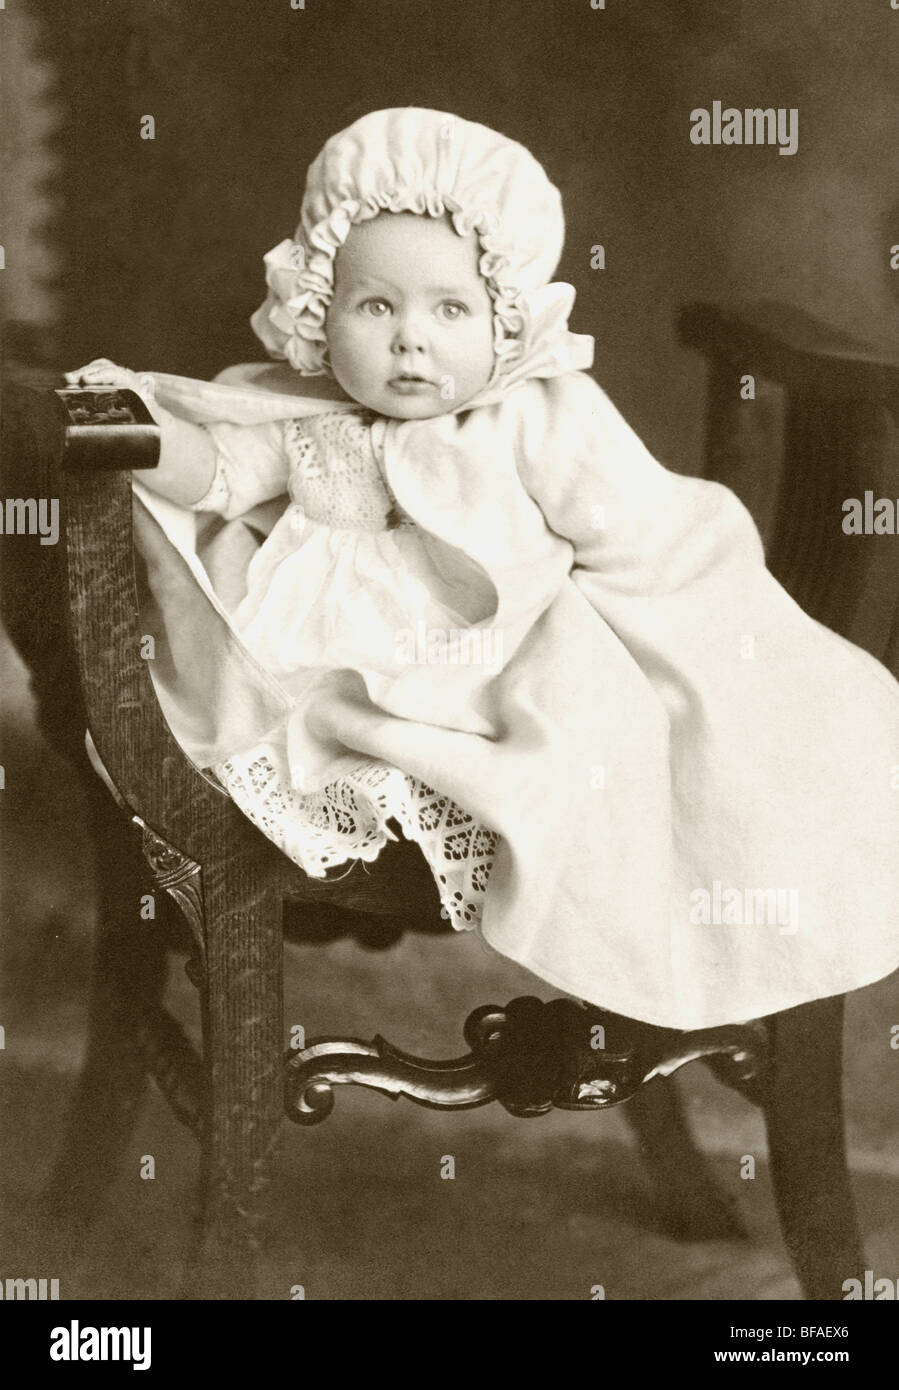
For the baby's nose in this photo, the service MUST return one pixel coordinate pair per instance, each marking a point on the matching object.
(410, 335)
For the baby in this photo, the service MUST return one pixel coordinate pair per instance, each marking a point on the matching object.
(473, 604)
(409, 333)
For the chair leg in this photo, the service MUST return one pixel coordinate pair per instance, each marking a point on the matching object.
(243, 1053)
(128, 981)
(694, 1207)
(804, 1117)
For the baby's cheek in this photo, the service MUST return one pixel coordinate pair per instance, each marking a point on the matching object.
(474, 357)
(341, 352)
(349, 344)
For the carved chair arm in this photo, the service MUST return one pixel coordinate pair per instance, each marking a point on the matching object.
(75, 614)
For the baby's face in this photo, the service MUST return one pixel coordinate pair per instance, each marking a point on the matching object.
(410, 325)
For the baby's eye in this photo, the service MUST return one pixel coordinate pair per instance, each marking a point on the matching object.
(376, 307)
(451, 310)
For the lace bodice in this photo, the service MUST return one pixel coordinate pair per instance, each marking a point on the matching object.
(332, 466)
(336, 471)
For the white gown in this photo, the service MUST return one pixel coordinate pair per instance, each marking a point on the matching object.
(666, 823)
(343, 581)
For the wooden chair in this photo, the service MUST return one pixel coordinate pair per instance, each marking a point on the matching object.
(159, 824)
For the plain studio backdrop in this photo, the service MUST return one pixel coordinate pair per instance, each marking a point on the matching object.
(150, 252)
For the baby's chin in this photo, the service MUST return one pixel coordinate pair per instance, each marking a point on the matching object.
(419, 410)
(426, 406)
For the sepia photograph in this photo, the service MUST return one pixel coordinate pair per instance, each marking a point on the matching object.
(449, 533)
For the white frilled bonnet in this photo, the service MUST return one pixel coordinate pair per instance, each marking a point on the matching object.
(410, 159)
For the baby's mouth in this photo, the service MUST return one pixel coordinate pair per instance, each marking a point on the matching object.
(409, 382)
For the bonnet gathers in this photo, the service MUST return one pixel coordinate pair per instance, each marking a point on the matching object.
(411, 159)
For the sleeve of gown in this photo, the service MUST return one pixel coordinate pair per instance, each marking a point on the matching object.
(639, 531)
(250, 467)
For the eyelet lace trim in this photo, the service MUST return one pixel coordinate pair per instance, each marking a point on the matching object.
(348, 820)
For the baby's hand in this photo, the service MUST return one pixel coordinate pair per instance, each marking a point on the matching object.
(102, 372)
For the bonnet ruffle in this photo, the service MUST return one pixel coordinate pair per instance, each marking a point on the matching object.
(410, 159)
